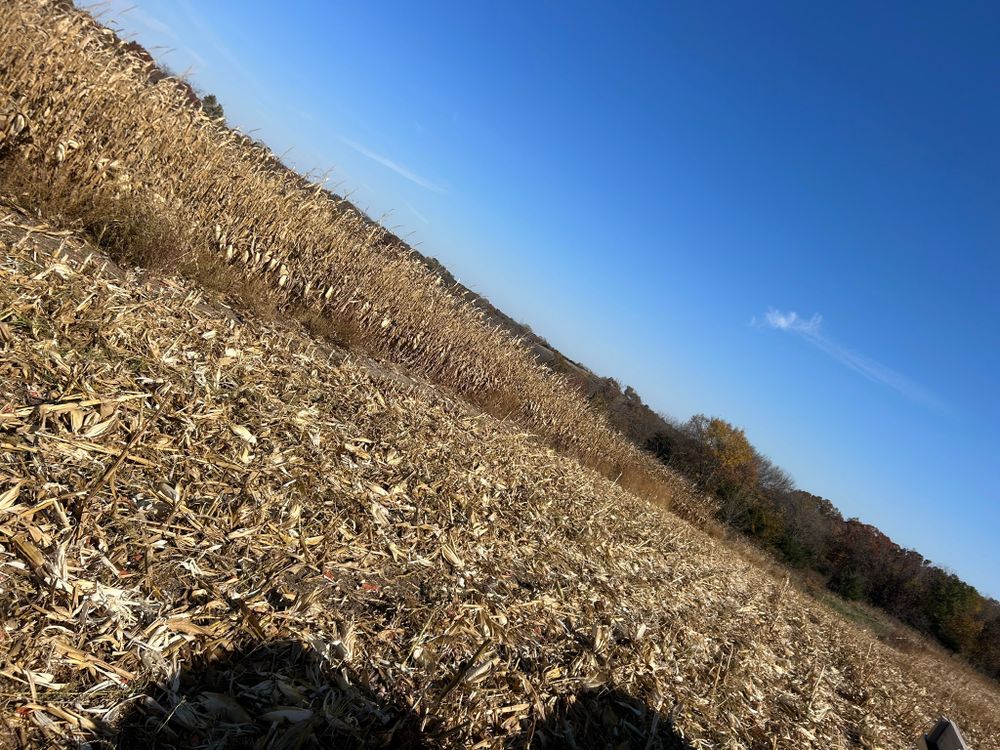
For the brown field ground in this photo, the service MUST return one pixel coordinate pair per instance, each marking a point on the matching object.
(216, 526)
(93, 133)
(212, 526)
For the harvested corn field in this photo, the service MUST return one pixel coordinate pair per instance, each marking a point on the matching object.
(98, 135)
(216, 530)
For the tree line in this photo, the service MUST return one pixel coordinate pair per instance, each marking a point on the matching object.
(854, 559)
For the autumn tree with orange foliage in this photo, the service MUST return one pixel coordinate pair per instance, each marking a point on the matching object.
(731, 470)
(855, 559)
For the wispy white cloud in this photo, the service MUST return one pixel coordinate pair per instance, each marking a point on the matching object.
(132, 15)
(416, 213)
(153, 23)
(809, 329)
(390, 164)
(223, 51)
(792, 321)
(195, 57)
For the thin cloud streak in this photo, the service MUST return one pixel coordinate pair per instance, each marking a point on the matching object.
(416, 213)
(152, 22)
(155, 25)
(222, 50)
(809, 330)
(390, 164)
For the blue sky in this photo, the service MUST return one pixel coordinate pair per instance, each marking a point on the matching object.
(781, 214)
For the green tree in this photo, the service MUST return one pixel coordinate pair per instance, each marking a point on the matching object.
(211, 107)
(732, 470)
(954, 610)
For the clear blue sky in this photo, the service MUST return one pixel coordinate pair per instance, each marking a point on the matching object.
(782, 214)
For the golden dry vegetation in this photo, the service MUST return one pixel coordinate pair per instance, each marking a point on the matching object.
(88, 136)
(213, 527)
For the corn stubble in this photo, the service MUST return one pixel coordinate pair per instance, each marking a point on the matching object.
(94, 140)
(178, 487)
(219, 530)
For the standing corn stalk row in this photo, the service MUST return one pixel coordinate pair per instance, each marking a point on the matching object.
(91, 122)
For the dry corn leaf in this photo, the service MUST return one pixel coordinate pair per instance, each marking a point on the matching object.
(244, 434)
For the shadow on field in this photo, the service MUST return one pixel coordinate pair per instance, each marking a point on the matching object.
(601, 718)
(277, 695)
(280, 695)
